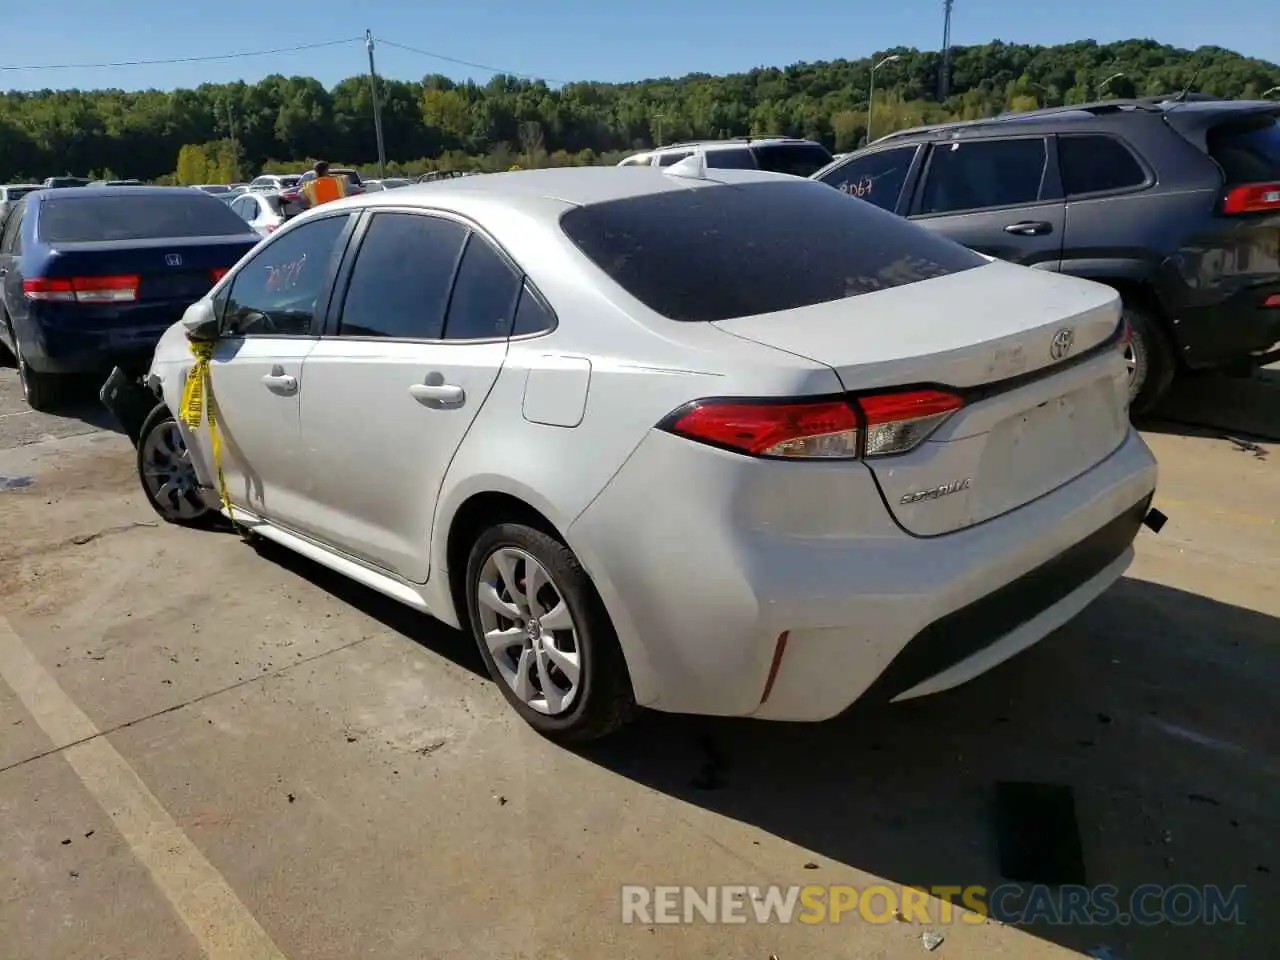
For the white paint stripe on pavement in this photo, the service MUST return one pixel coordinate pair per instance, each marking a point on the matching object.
(202, 898)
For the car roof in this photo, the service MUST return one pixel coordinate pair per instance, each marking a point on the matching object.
(118, 191)
(572, 186)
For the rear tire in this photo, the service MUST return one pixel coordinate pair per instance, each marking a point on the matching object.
(1150, 359)
(168, 479)
(556, 658)
(42, 391)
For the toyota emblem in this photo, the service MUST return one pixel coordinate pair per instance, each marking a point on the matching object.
(1063, 340)
(173, 259)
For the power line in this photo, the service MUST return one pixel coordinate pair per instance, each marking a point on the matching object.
(206, 59)
(467, 63)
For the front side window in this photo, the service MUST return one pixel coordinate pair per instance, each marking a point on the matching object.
(483, 302)
(977, 174)
(400, 283)
(876, 177)
(276, 292)
(724, 252)
(1096, 164)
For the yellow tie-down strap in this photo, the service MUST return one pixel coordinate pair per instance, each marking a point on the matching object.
(197, 398)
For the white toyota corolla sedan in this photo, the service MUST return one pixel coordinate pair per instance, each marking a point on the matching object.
(719, 442)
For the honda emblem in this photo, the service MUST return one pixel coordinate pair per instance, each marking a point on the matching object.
(173, 259)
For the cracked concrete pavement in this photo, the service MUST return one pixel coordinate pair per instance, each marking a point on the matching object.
(245, 743)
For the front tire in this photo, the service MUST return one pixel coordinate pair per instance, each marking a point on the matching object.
(544, 635)
(168, 478)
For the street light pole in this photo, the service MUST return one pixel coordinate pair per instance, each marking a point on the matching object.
(377, 108)
(871, 99)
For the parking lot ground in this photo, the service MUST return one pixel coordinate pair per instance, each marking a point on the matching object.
(215, 750)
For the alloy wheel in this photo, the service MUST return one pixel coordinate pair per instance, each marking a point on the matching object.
(529, 630)
(168, 475)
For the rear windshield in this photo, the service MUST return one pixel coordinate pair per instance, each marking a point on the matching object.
(797, 159)
(718, 252)
(85, 218)
(1247, 151)
(16, 193)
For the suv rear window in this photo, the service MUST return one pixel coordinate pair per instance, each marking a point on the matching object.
(719, 252)
(797, 159)
(1248, 151)
(85, 218)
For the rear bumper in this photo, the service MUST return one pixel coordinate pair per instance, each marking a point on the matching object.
(702, 590)
(59, 348)
(1237, 329)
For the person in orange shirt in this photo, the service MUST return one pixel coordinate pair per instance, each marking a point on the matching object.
(323, 188)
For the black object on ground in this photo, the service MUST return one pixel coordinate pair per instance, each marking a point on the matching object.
(1037, 834)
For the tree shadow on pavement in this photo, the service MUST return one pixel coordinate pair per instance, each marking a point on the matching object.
(1156, 706)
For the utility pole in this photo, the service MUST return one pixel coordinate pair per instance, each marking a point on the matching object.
(944, 75)
(657, 118)
(377, 108)
(235, 144)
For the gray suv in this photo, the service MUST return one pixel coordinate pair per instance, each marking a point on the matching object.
(1175, 203)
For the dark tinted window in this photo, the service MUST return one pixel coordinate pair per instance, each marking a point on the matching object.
(16, 193)
(532, 315)
(1092, 164)
(989, 173)
(275, 292)
(81, 216)
(877, 177)
(736, 159)
(402, 276)
(246, 208)
(1248, 152)
(721, 252)
(797, 159)
(667, 159)
(484, 294)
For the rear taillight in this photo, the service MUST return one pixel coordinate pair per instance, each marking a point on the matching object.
(114, 289)
(1253, 198)
(218, 273)
(898, 422)
(875, 425)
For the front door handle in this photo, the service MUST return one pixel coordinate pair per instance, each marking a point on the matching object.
(437, 394)
(280, 383)
(1029, 228)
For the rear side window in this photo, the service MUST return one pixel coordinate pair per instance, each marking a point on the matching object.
(485, 289)
(978, 174)
(1249, 151)
(1094, 164)
(85, 218)
(719, 252)
(797, 159)
(667, 159)
(733, 159)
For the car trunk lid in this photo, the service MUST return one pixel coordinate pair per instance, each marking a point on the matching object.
(1028, 352)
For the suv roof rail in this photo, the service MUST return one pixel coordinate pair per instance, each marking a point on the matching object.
(1095, 108)
(705, 143)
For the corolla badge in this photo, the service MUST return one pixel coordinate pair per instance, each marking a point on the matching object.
(1062, 343)
(173, 259)
(933, 493)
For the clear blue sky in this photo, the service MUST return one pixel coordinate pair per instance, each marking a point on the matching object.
(607, 40)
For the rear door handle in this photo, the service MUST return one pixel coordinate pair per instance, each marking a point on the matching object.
(1029, 228)
(280, 383)
(437, 394)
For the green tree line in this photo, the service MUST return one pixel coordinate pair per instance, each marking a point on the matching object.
(281, 121)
